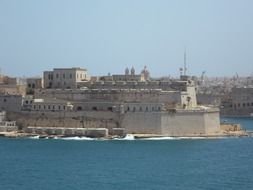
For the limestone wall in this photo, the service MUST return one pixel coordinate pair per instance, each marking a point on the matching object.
(88, 132)
(142, 122)
(212, 122)
(65, 119)
(180, 123)
(158, 121)
(10, 102)
(132, 95)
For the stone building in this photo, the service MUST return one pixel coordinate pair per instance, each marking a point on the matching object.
(14, 86)
(65, 77)
(32, 84)
(51, 105)
(10, 102)
(128, 76)
(240, 104)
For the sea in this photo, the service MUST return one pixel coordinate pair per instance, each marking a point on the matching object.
(151, 164)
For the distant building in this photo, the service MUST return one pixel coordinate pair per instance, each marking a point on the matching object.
(240, 104)
(10, 102)
(65, 78)
(33, 83)
(128, 76)
(14, 86)
(242, 100)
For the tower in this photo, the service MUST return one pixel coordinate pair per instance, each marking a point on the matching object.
(127, 71)
(132, 71)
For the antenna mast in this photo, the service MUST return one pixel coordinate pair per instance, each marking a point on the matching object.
(185, 61)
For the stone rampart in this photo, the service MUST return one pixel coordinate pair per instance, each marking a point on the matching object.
(88, 132)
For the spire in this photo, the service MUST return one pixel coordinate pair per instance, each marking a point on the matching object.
(132, 71)
(127, 71)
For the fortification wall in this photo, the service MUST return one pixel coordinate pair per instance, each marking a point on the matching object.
(173, 123)
(212, 122)
(142, 122)
(180, 123)
(132, 95)
(191, 123)
(80, 119)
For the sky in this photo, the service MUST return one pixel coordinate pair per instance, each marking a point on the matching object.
(106, 36)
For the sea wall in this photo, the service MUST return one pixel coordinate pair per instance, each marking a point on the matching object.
(191, 123)
(142, 122)
(88, 132)
(171, 123)
(179, 123)
(66, 119)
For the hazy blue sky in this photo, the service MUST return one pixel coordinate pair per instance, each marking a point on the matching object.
(108, 35)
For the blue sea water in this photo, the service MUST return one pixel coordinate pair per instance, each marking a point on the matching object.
(140, 164)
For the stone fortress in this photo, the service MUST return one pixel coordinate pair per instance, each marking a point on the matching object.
(70, 102)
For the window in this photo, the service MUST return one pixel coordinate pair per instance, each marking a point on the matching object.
(44, 107)
(76, 75)
(140, 109)
(63, 76)
(39, 106)
(5, 100)
(48, 107)
(29, 85)
(53, 107)
(251, 103)
(159, 109)
(70, 76)
(243, 104)
(33, 85)
(57, 75)
(34, 106)
(239, 104)
(146, 108)
(49, 77)
(248, 104)
(59, 107)
(64, 107)
(94, 108)
(134, 109)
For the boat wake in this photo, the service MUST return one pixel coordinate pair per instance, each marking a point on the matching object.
(78, 138)
(128, 137)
